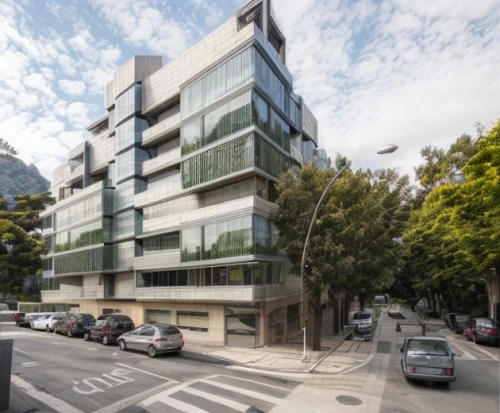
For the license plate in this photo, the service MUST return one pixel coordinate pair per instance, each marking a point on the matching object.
(429, 370)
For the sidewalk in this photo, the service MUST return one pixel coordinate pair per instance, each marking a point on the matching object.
(285, 357)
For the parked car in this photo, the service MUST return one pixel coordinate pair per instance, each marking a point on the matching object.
(28, 318)
(447, 319)
(459, 322)
(483, 330)
(363, 324)
(108, 328)
(153, 338)
(39, 323)
(428, 358)
(52, 319)
(73, 324)
(19, 318)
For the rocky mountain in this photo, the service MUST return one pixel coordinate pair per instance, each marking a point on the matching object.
(17, 178)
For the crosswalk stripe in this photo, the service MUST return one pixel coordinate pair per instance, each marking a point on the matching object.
(246, 392)
(221, 400)
(258, 382)
(184, 407)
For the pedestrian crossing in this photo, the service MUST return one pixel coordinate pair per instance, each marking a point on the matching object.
(217, 394)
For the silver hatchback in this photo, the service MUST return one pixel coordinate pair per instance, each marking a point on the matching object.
(428, 358)
(153, 338)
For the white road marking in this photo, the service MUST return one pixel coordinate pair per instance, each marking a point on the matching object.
(184, 407)
(254, 394)
(297, 377)
(221, 400)
(57, 404)
(259, 383)
(159, 397)
(146, 372)
(23, 352)
(124, 403)
(30, 363)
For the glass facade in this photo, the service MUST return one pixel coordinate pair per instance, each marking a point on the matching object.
(82, 236)
(191, 244)
(125, 224)
(129, 133)
(270, 82)
(47, 264)
(50, 243)
(90, 208)
(307, 151)
(93, 260)
(254, 274)
(50, 284)
(238, 114)
(128, 103)
(162, 242)
(125, 191)
(231, 238)
(129, 164)
(221, 81)
(234, 156)
(47, 222)
(214, 163)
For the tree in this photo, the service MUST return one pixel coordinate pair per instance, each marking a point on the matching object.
(6, 151)
(26, 212)
(351, 250)
(22, 260)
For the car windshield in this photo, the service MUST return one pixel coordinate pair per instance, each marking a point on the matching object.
(361, 316)
(428, 347)
(102, 320)
(461, 317)
(169, 331)
(485, 322)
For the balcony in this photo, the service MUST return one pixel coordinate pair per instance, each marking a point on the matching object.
(296, 154)
(61, 295)
(163, 130)
(76, 175)
(155, 260)
(246, 293)
(161, 162)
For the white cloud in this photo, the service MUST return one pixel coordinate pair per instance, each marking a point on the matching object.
(27, 101)
(78, 114)
(402, 72)
(72, 87)
(82, 41)
(67, 64)
(38, 82)
(143, 25)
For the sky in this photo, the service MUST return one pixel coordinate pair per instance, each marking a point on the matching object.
(374, 72)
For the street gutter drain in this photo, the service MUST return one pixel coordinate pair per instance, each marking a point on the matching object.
(348, 400)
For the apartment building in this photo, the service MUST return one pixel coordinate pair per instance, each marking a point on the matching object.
(163, 213)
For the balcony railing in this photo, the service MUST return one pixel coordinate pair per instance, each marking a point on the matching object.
(166, 128)
(217, 293)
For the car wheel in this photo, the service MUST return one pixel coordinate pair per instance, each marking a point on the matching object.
(105, 340)
(86, 337)
(122, 345)
(48, 328)
(467, 336)
(70, 333)
(55, 330)
(152, 351)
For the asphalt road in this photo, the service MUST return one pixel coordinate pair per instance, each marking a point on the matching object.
(476, 389)
(90, 377)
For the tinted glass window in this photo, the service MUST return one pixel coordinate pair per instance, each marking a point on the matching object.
(361, 316)
(170, 331)
(148, 331)
(431, 347)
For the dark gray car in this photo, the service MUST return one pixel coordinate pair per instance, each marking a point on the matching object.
(428, 358)
(153, 338)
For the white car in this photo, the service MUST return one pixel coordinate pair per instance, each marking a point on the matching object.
(51, 320)
(38, 322)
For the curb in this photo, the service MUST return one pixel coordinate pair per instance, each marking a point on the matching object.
(329, 352)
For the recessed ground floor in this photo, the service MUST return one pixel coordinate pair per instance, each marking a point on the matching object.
(237, 324)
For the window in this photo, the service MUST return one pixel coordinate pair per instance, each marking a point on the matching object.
(157, 316)
(191, 137)
(147, 331)
(192, 320)
(231, 238)
(219, 276)
(162, 242)
(235, 274)
(191, 244)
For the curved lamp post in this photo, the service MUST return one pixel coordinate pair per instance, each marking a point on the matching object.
(381, 151)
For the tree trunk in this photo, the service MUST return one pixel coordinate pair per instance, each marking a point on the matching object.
(316, 327)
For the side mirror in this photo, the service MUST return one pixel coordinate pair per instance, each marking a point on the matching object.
(452, 355)
(402, 350)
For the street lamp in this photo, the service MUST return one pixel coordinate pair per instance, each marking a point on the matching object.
(381, 151)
